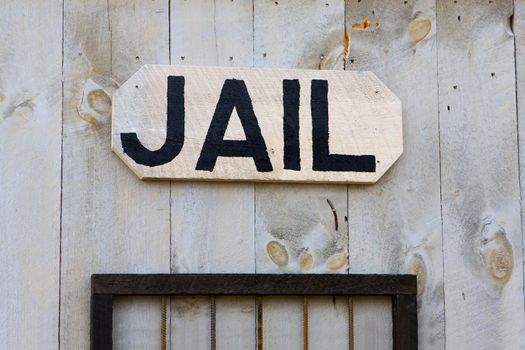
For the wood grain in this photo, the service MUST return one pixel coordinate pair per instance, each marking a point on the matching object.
(212, 224)
(373, 327)
(297, 219)
(482, 238)
(30, 148)
(111, 221)
(395, 225)
(518, 24)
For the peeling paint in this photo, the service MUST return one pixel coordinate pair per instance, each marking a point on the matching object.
(365, 24)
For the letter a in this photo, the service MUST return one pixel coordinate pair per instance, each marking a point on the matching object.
(234, 95)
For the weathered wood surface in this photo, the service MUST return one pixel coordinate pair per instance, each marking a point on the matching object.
(519, 37)
(30, 147)
(227, 124)
(395, 226)
(482, 239)
(212, 224)
(111, 221)
(373, 326)
(295, 228)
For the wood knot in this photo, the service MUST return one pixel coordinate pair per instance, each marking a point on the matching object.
(337, 261)
(91, 119)
(418, 29)
(278, 253)
(99, 101)
(94, 105)
(306, 261)
(500, 262)
(497, 253)
(22, 110)
(417, 267)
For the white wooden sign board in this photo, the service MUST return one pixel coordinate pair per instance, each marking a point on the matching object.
(243, 124)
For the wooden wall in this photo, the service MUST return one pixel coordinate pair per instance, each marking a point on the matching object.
(448, 211)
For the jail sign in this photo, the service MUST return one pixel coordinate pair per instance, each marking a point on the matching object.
(234, 124)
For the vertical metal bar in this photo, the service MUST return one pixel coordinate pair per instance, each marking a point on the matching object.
(213, 320)
(163, 321)
(259, 323)
(305, 322)
(101, 322)
(404, 321)
(350, 323)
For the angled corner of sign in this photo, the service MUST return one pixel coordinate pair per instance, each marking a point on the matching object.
(116, 147)
(144, 68)
(118, 150)
(396, 140)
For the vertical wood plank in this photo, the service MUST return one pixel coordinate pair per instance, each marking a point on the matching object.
(395, 225)
(212, 229)
(30, 152)
(212, 33)
(373, 323)
(296, 232)
(212, 224)
(111, 221)
(479, 168)
(328, 323)
(519, 44)
(299, 34)
(295, 228)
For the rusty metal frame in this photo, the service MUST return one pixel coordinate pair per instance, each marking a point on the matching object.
(402, 289)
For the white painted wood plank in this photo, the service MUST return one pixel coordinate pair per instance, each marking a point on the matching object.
(235, 323)
(372, 323)
(212, 224)
(136, 323)
(190, 323)
(328, 323)
(282, 322)
(363, 119)
(480, 191)
(212, 33)
(395, 225)
(30, 147)
(296, 232)
(519, 37)
(212, 227)
(299, 34)
(296, 229)
(111, 221)
(203, 242)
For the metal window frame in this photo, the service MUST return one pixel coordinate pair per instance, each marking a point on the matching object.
(402, 289)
